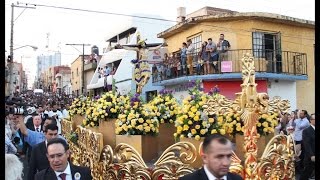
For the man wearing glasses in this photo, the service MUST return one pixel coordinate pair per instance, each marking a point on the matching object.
(60, 168)
(39, 159)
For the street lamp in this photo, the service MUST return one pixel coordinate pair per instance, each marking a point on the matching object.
(11, 64)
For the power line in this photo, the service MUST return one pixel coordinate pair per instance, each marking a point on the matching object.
(20, 14)
(101, 12)
(159, 19)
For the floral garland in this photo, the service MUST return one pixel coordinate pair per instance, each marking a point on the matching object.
(134, 121)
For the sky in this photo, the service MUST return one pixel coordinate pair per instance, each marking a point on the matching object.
(76, 27)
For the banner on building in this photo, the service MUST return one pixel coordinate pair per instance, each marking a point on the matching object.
(157, 56)
(226, 66)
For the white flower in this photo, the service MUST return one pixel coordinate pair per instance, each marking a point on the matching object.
(120, 123)
(189, 135)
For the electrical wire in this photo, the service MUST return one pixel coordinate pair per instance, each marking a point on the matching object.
(152, 18)
(20, 14)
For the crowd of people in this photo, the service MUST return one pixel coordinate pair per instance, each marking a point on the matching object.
(301, 126)
(188, 59)
(33, 133)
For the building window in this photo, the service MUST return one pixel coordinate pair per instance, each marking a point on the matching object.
(72, 74)
(196, 41)
(266, 45)
(77, 72)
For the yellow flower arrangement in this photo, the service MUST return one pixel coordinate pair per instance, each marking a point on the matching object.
(192, 122)
(133, 119)
(79, 106)
(234, 125)
(107, 106)
(164, 107)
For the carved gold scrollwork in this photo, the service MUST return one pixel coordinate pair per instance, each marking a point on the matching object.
(236, 166)
(106, 168)
(218, 105)
(125, 153)
(130, 163)
(174, 163)
(66, 127)
(278, 105)
(277, 161)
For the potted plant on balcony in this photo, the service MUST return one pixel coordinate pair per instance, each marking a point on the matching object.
(138, 129)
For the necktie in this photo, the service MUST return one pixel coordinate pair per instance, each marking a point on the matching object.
(63, 176)
(37, 129)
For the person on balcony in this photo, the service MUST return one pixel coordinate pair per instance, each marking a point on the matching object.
(183, 58)
(223, 46)
(190, 54)
(174, 65)
(107, 72)
(204, 56)
(213, 56)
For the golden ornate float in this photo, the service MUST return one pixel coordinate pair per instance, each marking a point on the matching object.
(124, 162)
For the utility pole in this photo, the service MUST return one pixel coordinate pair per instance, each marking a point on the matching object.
(11, 64)
(82, 65)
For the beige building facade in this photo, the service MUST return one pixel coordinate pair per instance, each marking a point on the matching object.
(290, 39)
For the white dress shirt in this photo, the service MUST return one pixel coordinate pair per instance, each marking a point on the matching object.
(67, 171)
(65, 113)
(313, 126)
(39, 127)
(210, 175)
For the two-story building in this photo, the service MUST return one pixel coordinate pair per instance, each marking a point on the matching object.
(78, 82)
(48, 78)
(282, 46)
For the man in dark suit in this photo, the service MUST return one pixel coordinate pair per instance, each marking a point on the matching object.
(217, 151)
(34, 124)
(308, 140)
(41, 111)
(60, 169)
(39, 160)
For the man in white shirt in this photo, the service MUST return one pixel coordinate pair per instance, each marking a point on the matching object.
(60, 168)
(301, 124)
(217, 152)
(190, 54)
(57, 115)
(65, 113)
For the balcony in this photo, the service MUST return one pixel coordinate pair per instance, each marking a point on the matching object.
(90, 66)
(285, 65)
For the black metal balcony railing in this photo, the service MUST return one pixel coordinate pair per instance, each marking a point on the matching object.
(90, 66)
(269, 61)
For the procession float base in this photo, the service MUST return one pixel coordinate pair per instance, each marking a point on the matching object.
(145, 145)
